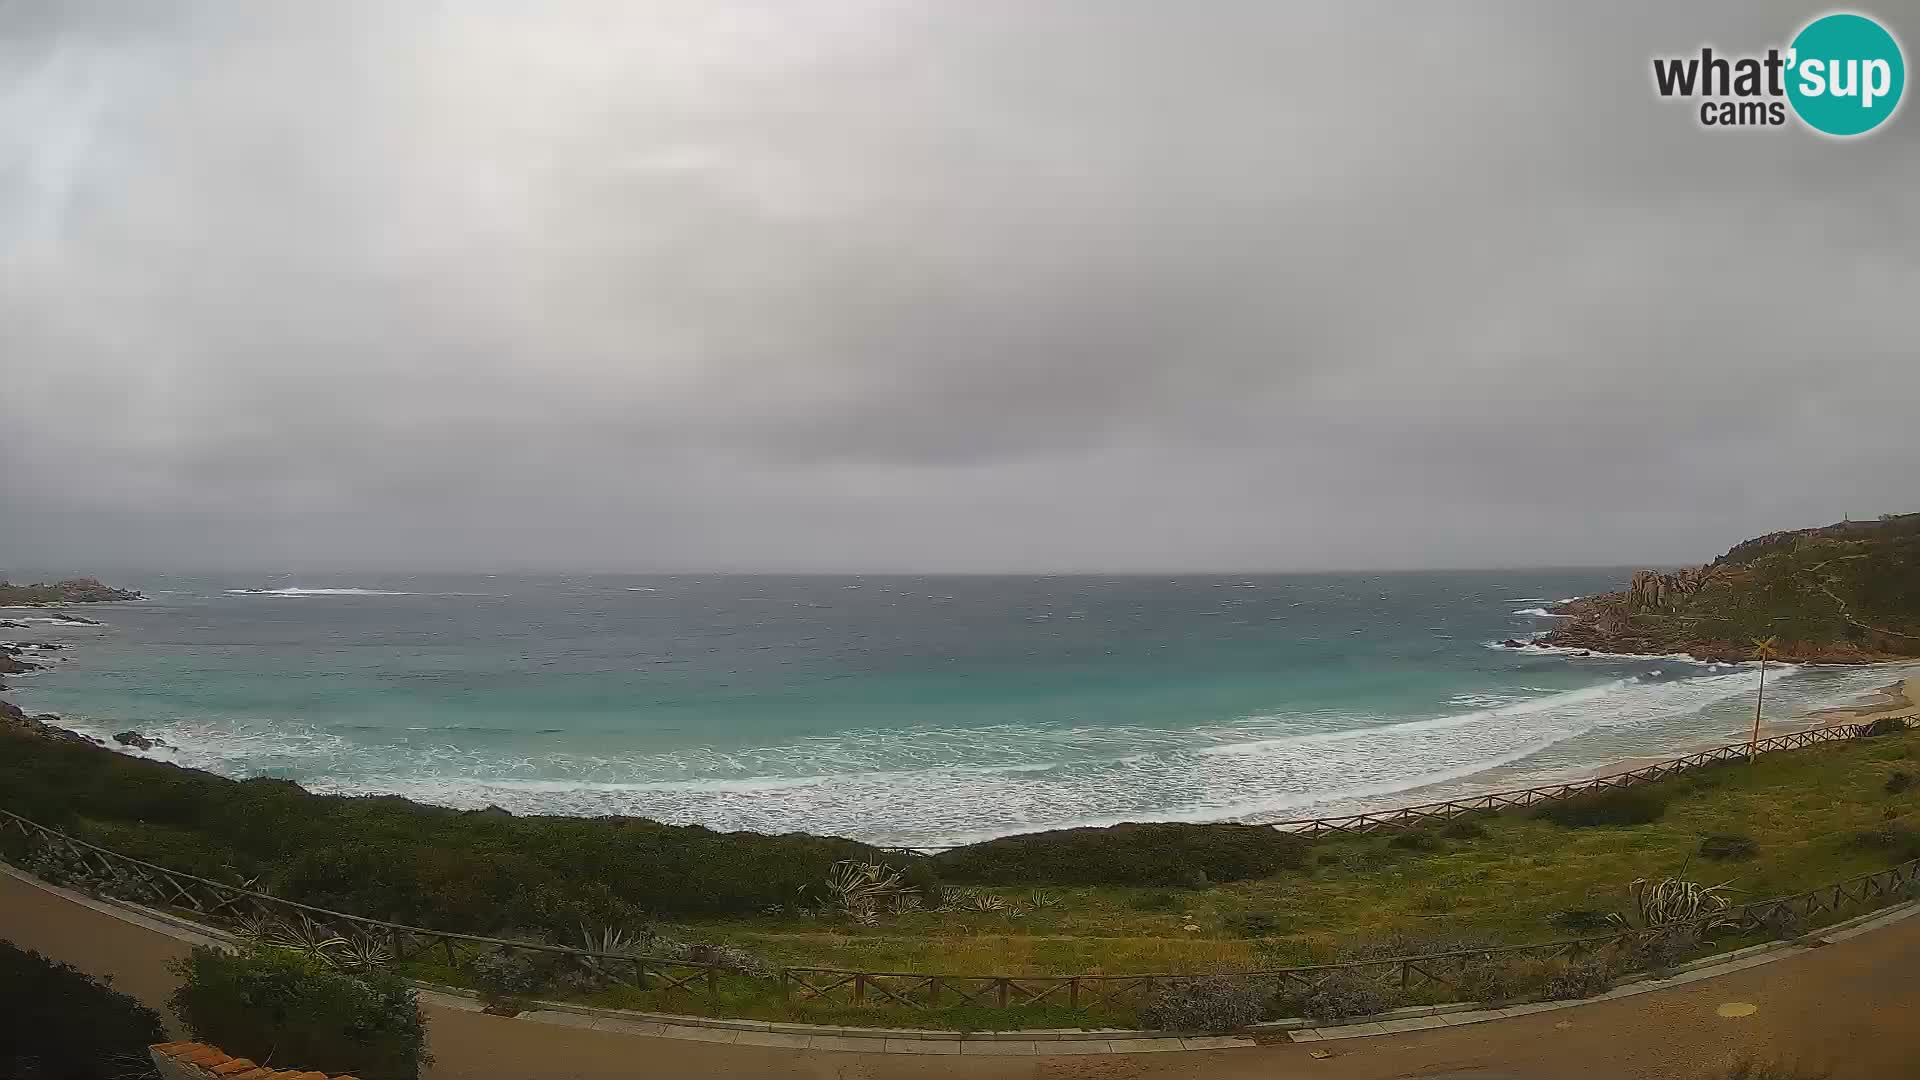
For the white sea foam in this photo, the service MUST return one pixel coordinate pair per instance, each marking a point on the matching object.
(295, 590)
(1575, 653)
(1540, 613)
(43, 620)
(934, 786)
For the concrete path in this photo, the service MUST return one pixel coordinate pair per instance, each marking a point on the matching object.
(1846, 1006)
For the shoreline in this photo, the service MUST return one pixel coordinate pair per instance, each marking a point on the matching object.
(1893, 698)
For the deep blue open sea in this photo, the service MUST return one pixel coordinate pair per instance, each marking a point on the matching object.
(912, 710)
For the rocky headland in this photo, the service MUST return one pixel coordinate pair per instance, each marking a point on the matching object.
(1839, 594)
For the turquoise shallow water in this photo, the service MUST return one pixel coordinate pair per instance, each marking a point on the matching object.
(917, 710)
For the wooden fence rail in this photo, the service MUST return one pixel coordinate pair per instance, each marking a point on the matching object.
(358, 939)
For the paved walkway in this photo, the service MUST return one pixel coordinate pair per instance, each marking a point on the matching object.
(1846, 1006)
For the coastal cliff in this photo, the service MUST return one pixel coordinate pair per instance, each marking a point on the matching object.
(1846, 593)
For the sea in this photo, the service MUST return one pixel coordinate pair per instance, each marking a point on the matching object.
(912, 711)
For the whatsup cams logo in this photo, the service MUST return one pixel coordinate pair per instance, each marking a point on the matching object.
(1842, 74)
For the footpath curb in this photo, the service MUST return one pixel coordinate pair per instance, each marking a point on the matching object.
(1036, 1042)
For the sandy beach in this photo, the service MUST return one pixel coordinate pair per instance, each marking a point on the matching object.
(1893, 699)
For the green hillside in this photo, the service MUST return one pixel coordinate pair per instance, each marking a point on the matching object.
(1846, 593)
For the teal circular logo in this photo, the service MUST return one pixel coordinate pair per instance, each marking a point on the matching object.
(1845, 74)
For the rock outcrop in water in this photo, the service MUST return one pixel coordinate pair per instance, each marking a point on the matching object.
(1847, 593)
(14, 720)
(70, 591)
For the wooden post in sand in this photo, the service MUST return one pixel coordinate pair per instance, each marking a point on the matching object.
(1763, 648)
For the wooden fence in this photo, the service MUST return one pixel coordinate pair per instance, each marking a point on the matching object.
(355, 939)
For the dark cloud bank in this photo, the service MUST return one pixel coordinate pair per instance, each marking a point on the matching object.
(961, 286)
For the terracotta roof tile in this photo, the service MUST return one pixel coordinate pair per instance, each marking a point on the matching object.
(237, 1065)
(206, 1057)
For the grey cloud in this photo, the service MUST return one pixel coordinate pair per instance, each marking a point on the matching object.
(928, 286)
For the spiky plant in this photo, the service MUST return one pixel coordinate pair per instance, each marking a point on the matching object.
(304, 935)
(360, 954)
(859, 889)
(1676, 901)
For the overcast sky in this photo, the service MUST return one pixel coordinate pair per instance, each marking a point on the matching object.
(979, 285)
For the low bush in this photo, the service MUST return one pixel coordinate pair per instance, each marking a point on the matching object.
(1900, 842)
(1620, 806)
(1346, 994)
(1134, 854)
(1465, 827)
(287, 1010)
(1157, 900)
(388, 858)
(1660, 950)
(58, 1023)
(1415, 840)
(1576, 979)
(1886, 725)
(1579, 921)
(1207, 1005)
(1898, 782)
(1253, 924)
(506, 978)
(1729, 847)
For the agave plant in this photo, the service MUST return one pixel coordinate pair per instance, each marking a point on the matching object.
(1676, 901)
(859, 888)
(903, 904)
(1042, 899)
(360, 954)
(306, 936)
(986, 902)
(610, 940)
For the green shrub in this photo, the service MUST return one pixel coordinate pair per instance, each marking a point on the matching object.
(287, 1010)
(1733, 847)
(1207, 1005)
(1415, 840)
(389, 858)
(1254, 924)
(1155, 854)
(1578, 921)
(1898, 782)
(1157, 900)
(507, 977)
(57, 1022)
(1464, 827)
(1619, 806)
(1901, 842)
